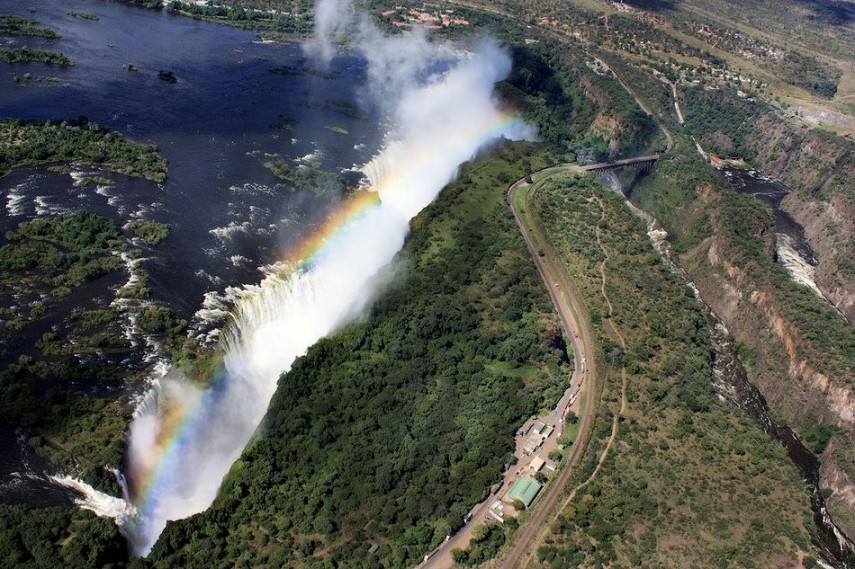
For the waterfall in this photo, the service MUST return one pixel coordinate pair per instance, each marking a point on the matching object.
(184, 437)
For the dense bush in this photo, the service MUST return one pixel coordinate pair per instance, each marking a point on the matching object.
(32, 143)
(26, 55)
(680, 453)
(58, 537)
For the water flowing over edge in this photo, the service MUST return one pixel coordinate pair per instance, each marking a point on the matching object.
(184, 438)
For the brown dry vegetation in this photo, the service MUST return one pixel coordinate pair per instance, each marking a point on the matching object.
(688, 482)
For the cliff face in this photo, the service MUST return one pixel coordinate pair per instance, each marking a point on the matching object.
(618, 122)
(799, 352)
(842, 498)
(830, 228)
(809, 161)
(752, 309)
(786, 366)
(820, 169)
(817, 166)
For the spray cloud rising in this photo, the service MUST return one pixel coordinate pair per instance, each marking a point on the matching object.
(183, 439)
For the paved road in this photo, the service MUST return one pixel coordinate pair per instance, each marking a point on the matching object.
(568, 308)
(573, 318)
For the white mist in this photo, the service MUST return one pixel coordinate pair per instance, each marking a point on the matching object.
(440, 121)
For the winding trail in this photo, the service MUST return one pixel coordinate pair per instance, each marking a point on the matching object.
(528, 540)
(668, 136)
(623, 376)
(573, 317)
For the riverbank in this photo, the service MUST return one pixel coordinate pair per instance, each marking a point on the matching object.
(794, 344)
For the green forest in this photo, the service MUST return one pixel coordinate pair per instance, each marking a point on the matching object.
(58, 537)
(387, 433)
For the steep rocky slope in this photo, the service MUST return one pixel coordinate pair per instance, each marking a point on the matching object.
(799, 351)
(818, 167)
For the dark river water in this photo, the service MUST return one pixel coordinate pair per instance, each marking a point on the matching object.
(228, 214)
(771, 192)
(732, 382)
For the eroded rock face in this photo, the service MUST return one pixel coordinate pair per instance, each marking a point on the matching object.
(787, 365)
(840, 399)
(819, 168)
(732, 287)
(830, 229)
(820, 171)
(842, 499)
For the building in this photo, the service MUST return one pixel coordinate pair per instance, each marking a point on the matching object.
(532, 444)
(525, 490)
(536, 464)
(543, 429)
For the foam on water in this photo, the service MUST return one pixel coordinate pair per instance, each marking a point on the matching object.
(800, 269)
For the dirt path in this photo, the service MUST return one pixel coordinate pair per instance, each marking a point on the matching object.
(527, 548)
(623, 376)
(614, 328)
(574, 317)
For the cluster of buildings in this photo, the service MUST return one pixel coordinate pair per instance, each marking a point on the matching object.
(403, 17)
(538, 432)
(526, 487)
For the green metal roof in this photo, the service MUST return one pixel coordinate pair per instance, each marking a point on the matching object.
(525, 490)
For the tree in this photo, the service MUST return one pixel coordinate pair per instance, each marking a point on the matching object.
(459, 555)
(480, 533)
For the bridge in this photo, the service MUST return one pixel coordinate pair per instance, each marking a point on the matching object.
(644, 162)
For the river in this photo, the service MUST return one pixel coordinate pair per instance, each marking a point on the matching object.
(731, 379)
(793, 251)
(228, 214)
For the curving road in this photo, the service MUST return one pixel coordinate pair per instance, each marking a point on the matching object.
(574, 320)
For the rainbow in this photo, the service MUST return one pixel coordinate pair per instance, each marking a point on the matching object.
(324, 237)
(177, 422)
(405, 177)
(361, 203)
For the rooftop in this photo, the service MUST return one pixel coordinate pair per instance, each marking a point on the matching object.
(525, 490)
